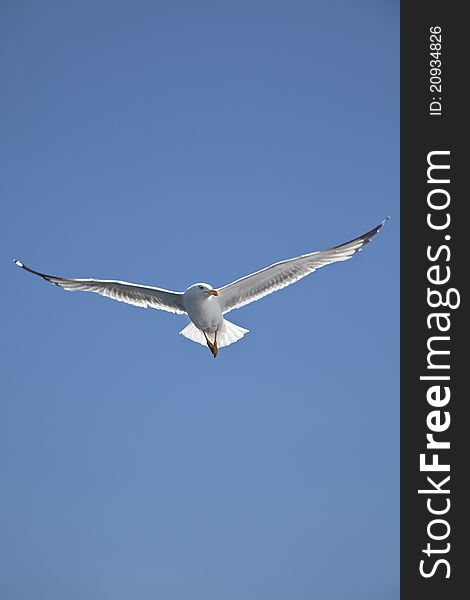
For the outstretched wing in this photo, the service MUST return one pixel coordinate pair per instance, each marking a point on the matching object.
(138, 295)
(281, 274)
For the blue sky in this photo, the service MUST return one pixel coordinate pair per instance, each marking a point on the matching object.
(168, 143)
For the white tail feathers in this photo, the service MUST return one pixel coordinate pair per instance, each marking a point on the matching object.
(227, 334)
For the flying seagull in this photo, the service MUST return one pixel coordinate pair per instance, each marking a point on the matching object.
(207, 306)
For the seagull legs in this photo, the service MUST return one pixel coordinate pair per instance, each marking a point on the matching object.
(212, 346)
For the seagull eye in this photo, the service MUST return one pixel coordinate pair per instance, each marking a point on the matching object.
(200, 287)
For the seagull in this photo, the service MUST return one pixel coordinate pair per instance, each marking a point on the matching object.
(206, 306)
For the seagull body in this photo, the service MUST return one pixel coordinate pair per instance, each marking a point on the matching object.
(206, 306)
(203, 308)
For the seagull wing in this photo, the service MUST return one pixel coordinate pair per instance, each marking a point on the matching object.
(281, 274)
(138, 295)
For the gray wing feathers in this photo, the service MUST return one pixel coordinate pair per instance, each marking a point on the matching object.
(279, 275)
(130, 293)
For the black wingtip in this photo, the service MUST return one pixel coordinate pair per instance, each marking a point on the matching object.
(378, 228)
(372, 232)
(20, 263)
(365, 238)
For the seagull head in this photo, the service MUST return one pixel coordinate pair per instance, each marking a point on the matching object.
(201, 291)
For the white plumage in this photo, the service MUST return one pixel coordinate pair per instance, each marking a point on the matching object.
(226, 335)
(206, 306)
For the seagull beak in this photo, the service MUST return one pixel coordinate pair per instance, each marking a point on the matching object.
(213, 293)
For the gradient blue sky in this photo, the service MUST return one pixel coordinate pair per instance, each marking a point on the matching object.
(168, 143)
